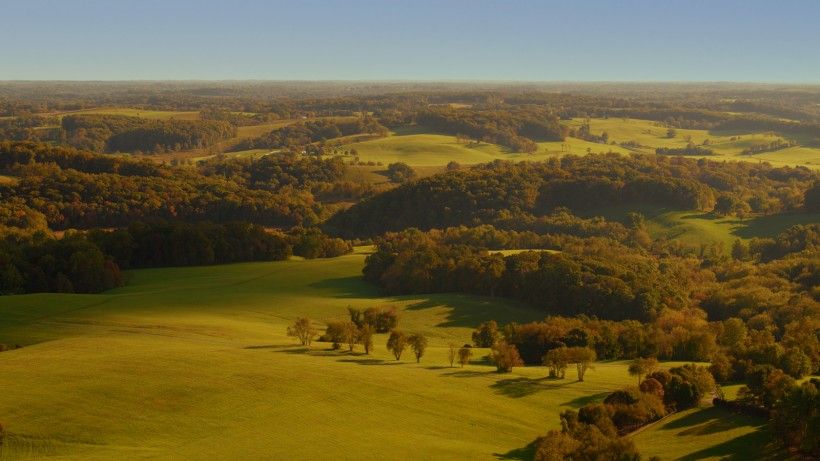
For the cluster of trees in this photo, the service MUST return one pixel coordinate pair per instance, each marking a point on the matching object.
(382, 320)
(674, 335)
(516, 128)
(400, 172)
(360, 329)
(596, 430)
(91, 262)
(688, 150)
(119, 133)
(160, 244)
(72, 264)
(775, 145)
(793, 408)
(274, 172)
(583, 132)
(503, 191)
(75, 189)
(606, 279)
(29, 128)
(299, 135)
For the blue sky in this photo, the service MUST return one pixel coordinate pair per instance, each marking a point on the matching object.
(618, 40)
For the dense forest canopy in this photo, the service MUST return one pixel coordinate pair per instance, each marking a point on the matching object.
(493, 193)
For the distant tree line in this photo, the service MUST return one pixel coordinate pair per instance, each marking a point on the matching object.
(516, 128)
(91, 262)
(773, 146)
(79, 189)
(688, 150)
(604, 281)
(119, 133)
(299, 135)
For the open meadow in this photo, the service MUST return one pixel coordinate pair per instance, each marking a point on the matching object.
(419, 147)
(194, 362)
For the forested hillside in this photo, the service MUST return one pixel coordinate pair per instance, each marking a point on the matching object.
(515, 195)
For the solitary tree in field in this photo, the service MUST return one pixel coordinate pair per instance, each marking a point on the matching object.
(452, 353)
(505, 356)
(671, 133)
(303, 329)
(366, 337)
(418, 343)
(641, 367)
(465, 354)
(397, 343)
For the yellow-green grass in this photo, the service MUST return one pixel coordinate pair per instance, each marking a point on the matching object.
(193, 363)
(696, 227)
(651, 135)
(708, 434)
(424, 149)
(418, 148)
(134, 112)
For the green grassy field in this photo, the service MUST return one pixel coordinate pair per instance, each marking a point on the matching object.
(416, 147)
(708, 434)
(651, 135)
(696, 227)
(194, 363)
(133, 112)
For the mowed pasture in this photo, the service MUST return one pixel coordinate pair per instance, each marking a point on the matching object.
(194, 363)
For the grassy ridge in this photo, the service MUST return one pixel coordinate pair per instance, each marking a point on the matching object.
(416, 147)
(194, 363)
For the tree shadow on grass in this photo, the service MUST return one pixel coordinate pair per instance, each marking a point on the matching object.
(522, 387)
(581, 401)
(272, 346)
(709, 421)
(347, 287)
(364, 361)
(754, 445)
(769, 226)
(316, 352)
(523, 453)
(471, 311)
(468, 373)
(463, 310)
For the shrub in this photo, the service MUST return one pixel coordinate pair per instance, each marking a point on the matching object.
(302, 329)
(486, 335)
(505, 356)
